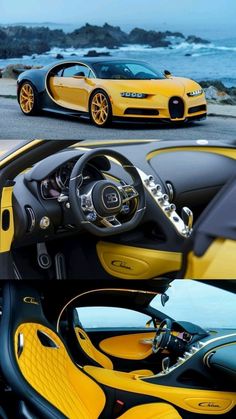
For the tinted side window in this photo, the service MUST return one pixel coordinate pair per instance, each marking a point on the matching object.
(109, 317)
(76, 70)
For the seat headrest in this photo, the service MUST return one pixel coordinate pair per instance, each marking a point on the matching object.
(22, 303)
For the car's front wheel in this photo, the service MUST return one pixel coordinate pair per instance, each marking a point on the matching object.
(100, 109)
(28, 100)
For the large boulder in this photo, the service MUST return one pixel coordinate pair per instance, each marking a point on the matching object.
(192, 39)
(97, 36)
(12, 71)
(151, 38)
(216, 91)
(215, 95)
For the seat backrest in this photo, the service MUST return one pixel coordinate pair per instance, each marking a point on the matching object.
(36, 362)
(89, 349)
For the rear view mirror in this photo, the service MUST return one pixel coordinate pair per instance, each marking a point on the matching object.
(164, 299)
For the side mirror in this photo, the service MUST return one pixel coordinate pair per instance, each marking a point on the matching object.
(79, 75)
(149, 322)
(167, 74)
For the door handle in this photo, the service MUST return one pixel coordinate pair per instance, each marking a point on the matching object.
(146, 341)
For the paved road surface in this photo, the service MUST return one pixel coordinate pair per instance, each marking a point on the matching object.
(15, 125)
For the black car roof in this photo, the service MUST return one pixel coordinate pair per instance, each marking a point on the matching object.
(94, 60)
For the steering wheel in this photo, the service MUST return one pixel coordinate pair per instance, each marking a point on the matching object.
(98, 205)
(163, 336)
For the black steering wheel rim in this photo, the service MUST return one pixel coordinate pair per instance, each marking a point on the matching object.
(163, 335)
(75, 199)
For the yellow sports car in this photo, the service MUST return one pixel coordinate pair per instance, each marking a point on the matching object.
(107, 89)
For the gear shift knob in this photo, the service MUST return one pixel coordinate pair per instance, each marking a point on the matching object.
(165, 363)
(187, 217)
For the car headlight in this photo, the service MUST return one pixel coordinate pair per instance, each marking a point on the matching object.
(132, 95)
(195, 93)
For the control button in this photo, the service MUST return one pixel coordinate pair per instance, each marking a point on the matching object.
(170, 208)
(163, 198)
(193, 349)
(125, 209)
(44, 223)
(176, 219)
(92, 216)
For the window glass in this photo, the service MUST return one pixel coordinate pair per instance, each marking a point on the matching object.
(126, 71)
(76, 70)
(199, 303)
(111, 317)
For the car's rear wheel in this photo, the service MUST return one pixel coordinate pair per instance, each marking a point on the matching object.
(100, 109)
(28, 100)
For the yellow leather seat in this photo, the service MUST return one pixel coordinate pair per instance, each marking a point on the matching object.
(92, 352)
(45, 364)
(36, 364)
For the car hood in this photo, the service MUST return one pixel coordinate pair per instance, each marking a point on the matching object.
(174, 86)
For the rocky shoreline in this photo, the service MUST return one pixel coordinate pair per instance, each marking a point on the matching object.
(16, 41)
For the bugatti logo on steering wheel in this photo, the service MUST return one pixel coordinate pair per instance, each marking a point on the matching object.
(111, 198)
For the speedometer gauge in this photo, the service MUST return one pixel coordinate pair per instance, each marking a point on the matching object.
(62, 176)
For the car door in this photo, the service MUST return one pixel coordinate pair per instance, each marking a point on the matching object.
(71, 87)
(123, 335)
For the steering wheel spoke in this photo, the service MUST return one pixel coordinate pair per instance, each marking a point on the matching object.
(128, 193)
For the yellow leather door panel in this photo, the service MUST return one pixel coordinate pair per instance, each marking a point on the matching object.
(193, 400)
(129, 262)
(135, 346)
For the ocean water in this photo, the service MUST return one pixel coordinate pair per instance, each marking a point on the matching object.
(216, 60)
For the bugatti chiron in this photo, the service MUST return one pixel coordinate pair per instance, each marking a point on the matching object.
(107, 89)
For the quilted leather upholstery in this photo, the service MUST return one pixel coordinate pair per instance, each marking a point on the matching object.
(50, 371)
(151, 411)
(47, 367)
(90, 350)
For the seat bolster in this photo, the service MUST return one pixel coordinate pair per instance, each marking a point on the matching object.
(151, 411)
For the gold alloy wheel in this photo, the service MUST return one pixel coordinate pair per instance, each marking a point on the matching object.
(100, 108)
(26, 98)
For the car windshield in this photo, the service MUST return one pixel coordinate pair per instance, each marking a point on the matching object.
(199, 303)
(126, 71)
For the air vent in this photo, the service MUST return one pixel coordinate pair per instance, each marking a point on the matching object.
(140, 111)
(199, 108)
(5, 220)
(176, 107)
(31, 220)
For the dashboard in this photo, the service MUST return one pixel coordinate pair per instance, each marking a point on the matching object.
(42, 191)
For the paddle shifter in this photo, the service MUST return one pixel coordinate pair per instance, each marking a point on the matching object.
(187, 217)
(165, 364)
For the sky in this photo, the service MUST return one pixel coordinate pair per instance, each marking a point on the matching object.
(214, 19)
